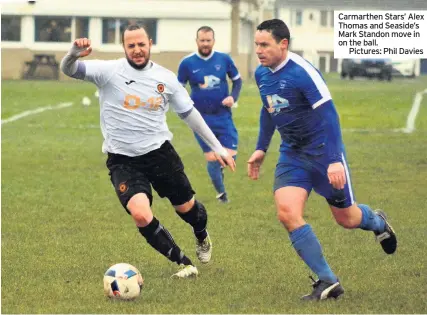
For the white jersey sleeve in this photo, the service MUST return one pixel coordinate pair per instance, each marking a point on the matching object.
(179, 99)
(100, 71)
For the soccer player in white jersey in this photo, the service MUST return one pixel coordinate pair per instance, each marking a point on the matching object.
(135, 94)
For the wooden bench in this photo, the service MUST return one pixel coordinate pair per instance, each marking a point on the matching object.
(41, 60)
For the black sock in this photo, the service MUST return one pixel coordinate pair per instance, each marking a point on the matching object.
(161, 240)
(197, 217)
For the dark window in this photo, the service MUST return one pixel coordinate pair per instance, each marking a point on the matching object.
(298, 16)
(109, 30)
(52, 29)
(323, 18)
(82, 27)
(11, 28)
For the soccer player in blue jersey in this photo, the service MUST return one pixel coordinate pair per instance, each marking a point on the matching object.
(297, 102)
(207, 71)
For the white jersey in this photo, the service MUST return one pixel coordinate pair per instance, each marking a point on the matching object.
(134, 104)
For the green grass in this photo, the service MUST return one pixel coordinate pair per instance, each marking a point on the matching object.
(63, 226)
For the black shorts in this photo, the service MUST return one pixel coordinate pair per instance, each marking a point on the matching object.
(161, 168)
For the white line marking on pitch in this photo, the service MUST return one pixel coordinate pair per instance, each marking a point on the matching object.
(410, 121)
(35, 111)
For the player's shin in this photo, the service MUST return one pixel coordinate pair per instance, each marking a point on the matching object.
(161, 240)
(197, 217)
(308, 248)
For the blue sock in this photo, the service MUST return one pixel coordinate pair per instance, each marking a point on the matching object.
(308, 248)
(215, 172)
(370, 220)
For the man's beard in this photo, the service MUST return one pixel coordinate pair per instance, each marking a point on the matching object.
(205, 54)
(136, 66)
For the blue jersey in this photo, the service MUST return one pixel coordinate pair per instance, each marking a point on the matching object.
(290, 95)
(208, 80)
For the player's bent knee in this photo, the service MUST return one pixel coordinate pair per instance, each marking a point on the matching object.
(200, 212)
(290, 203)
(283, 208)
(290, 218)
(346, 218)
(139, 208)
(283, 217)
(185, 207)
(348, 223)
(286, 216)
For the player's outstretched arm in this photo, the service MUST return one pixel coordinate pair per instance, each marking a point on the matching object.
(196, 122)
(69, 64)
(266, 131)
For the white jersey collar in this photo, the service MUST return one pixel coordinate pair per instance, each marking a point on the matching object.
(207, 57)
(282, 64)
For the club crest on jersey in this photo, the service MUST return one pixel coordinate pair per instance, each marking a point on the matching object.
(217, 67)
(282, 84)
(123, 187)
(160, 88)
(276, 104)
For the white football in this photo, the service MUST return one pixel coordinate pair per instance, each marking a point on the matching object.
(123, 281)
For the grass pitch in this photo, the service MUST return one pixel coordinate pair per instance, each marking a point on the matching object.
(62, 225)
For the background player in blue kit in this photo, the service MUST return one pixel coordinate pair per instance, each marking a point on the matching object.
(297, 102)
(207, 71)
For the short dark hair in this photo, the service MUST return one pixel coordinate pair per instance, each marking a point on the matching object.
(278, 29)
(133, 27)
(205, 29)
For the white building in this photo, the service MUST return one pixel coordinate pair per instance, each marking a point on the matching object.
(49, 26)
(311, 25)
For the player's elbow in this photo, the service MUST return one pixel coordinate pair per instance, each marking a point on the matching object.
(65, 67)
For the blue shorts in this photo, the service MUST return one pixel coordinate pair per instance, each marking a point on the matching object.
(308, 172)
(224, 129)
